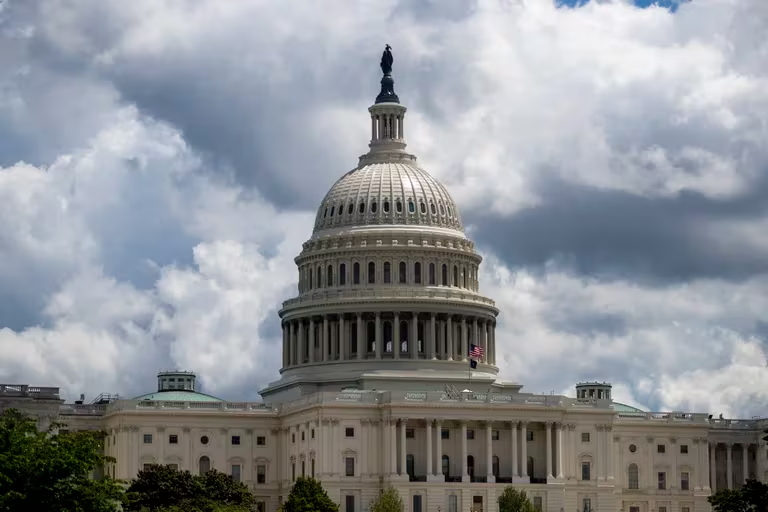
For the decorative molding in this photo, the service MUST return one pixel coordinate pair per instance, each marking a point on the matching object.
(293, 459)
(134, 428)
(161, 429)
(608, 428)
(223, 431)
(571, 427)
(403, 421)
(335, 421)
(365, 421)
(125, 428)
(649, 439)
(326, 421)
(617, 438)
(600, 428)
(312, 454)
(673, 440)
(302, 456)
(186, 430)
(524, 423)
(549, 424)
(249, 431)
(273, 430)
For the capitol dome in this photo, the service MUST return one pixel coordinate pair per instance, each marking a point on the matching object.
(388, 289)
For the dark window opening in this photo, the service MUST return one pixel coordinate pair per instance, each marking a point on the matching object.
(356, 273)
(403, 272)
(371, 273)
(342, 274)
(387, 273)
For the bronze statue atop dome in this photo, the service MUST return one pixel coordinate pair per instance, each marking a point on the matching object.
(386, 60)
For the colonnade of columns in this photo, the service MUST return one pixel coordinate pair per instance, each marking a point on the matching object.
(730, 483)
(342, 337)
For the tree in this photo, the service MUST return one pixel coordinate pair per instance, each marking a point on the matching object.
(388, 501)
(514, 500)
(50, 471)
(752, 497)
(162, 488)
(308, 495)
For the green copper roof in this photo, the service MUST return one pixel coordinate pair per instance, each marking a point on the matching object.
(624, 408)
(179, 395)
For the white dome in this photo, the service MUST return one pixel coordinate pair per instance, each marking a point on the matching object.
(388, 193)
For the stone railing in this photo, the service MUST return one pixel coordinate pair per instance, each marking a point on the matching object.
(30, 391)
(737, 424)
(127, 405)
(83, 409)
(385, 293)
(668, 417)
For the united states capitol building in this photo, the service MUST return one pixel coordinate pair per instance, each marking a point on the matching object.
(376, 386)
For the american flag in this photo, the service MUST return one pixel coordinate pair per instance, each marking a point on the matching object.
(475, 351)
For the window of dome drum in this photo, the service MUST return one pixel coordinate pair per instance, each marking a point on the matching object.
(204, 440)
(362, 208)
(411, 207)
(423, 207)
(399, 207)
(632, 448)
(350, 208)
(386, 206)
(373, 207)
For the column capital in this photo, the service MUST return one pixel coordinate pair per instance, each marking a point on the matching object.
(560, 425)
(524, 423)
(549, 424)
(326, 421)
(608, 428)
(600, 428)
(335, 421)
(488, 423)
(514, 424)
(649, 439)
(403, 421)
(365, 421)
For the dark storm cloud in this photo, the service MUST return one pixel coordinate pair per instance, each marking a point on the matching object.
(614, 234)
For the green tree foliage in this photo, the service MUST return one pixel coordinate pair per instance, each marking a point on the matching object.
(388, 501)
(514, 500)
(752, 497)
(48, 471)
(308, 495)
(160, 488)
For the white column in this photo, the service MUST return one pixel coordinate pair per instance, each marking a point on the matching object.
(559, 450)
(414, 343)
(403, 451)
(548, 442)
(396, 337)
(393, 446)
(464, 339)
(464, 472)
(334, 337)
(379, 335)
(492, 343)
(513, 433)
(432, 337)
(428, 437)
(361, 346)
(285, 346)
(713, 467)
(343, 349)
(609, 452)
(300, 343)
(729, 464)
(449, 338)
(489, 450)
(524, 449)
(291, 343)
(438, 448)
(599, 472)
(325, 338)
(744, 462)
(311, 340)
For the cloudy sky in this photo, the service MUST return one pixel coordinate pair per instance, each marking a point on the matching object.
(161, 162)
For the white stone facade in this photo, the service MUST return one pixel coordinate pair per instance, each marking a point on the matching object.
(376, 346)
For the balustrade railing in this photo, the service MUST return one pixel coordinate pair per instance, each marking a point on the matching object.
(31, 391)
(432, 293)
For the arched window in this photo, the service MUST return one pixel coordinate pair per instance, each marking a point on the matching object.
(341, 210)
(410, 465)
(388, 336)
(633, 477)
(464, 272)
(355, 273)
(343, 274)
(310, 279)
(455, 276)
(495, 466)
(411, 207)
(374, 207)
(446, 465)
(371, 273)
(362, 208)
(387, 273)
(329, 276)
(470, 465)
(319, 277)
(333, 210)
(432, 274)
(423, 207)
(350, 209)
(444, 276)
(205, 465)
(417, 273)
(399, 206)
(371, 336)
(386, 206)
(403, 273)
(530, 466)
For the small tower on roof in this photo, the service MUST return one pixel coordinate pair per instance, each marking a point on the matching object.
(593, 390)
(171, 380)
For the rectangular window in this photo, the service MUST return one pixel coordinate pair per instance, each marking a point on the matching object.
(147, 438)
(495, 435)
(261, 506)
(261, 474)
(537, 505)
(349, 432)
(662, 480)
(303, 468)
(683, 448)
(685, 509)
(235, 440)
(302, 435)
(634, 509)
(453, 503)
(313, 468)
(409, 433)
(293, 472)
(585, 473)
(261, 441)
(416, 503)
(586, 504)
(662, 509)
(293, 438)
(313, 434)
(470, 435)
(445, 434)
(528, 435)
(349, 503)
(585, 437)
(350, 466)
(236, 472)
(147, 466)
(660, 448)
(173, 466)
(173, 439)
(684, 481)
